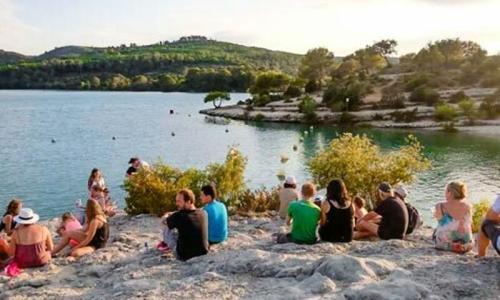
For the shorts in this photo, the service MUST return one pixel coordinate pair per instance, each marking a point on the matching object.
(492, 231)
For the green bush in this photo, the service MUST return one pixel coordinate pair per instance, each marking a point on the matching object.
(458, 96)
(307, 106)
(261, 99)
(293, 91)
(468, 110)
(479, 211)
(153, 190)
(393, 97)
(346, 119)
(490, 106)
(445, 113)
(312, 86)
(425, 95)
(260, 200)
(414, 81)
(258, 117)
(352, 89)
(362, 165)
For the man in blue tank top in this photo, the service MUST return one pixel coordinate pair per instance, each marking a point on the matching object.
(217, 215)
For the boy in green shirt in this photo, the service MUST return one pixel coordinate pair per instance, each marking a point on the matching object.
(304, 217)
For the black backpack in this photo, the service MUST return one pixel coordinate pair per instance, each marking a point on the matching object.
(414, 220)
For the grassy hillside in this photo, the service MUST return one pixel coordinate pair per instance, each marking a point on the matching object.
(191, 63)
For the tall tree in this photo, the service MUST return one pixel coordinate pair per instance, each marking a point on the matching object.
(316, 64)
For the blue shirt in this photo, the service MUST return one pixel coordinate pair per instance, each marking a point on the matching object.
(217, 221)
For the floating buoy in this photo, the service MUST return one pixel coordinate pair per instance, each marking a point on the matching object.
(295, 148)
(53, 141)
(306, 132)
(301, 140)
(173, 133)
(189, 115)
(311, 128)
(284, 158)
(114, 138)
(227, 130)
(171, 111)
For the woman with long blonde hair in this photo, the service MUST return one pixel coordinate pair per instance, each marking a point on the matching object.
(92, 236)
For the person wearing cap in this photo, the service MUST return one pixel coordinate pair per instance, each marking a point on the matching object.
(134, 163)
(490, 229)
(414, 219)
(287, 194)
(31, 243)
(389, 220)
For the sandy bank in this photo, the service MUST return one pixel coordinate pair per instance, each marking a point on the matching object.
(251, 266)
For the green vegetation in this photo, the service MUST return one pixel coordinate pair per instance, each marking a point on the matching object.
(445, 113)
(153, 190)
(316, 64)
(425, 95)
(189, 64)
(362, 165)
(307, 106)
(351, 89)
(479, 211)
(217, 97)
(468, 110)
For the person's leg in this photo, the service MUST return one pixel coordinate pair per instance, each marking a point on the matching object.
(77, 235)
(170, 238)
(82, 251)
(284, 238)
(482, 243)
(365, 229)
(4, 248)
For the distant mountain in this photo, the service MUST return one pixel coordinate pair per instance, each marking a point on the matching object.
(67, 51)
(10, 57)
(192, 63)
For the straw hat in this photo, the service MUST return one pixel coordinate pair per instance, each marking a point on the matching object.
(26, 216)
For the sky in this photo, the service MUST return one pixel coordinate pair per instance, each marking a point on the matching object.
(32, 27)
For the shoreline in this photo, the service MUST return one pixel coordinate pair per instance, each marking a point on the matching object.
(363, 118)
(250, 265)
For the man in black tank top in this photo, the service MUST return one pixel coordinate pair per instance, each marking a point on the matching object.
(388, 221)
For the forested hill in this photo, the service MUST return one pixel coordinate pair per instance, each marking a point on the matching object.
(192, 63)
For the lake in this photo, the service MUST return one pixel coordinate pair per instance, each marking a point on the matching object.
(50, 177)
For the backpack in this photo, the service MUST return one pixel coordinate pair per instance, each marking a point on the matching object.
(414, 220)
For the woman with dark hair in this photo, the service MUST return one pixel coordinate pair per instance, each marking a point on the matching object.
(95, 179)
(90, 238)
(8, 223)
(337, 214)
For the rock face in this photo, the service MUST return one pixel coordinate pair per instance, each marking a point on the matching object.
(251, 266)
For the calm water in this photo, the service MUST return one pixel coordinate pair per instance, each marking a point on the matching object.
(50, 176)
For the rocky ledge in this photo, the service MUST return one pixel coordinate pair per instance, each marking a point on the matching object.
(251, 266)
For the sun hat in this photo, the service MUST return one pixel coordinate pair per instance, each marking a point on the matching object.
(26, 216)
(401, 191)
(385, 187)
(290, 180)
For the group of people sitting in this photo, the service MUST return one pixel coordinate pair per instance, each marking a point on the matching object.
(28, 244)
(338, 218)
(190, 232)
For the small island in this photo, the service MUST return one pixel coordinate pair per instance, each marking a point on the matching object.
(450, 83)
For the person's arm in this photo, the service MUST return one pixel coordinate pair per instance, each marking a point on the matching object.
(204, 229)
(7, 220)
(325, 207)
(369, 216)
(438, 211)
(11, 250)
(289, 216)
(48, 241)
(92, 228)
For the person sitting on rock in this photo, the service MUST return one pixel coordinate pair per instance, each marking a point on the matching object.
(454, 216)
(303, 215)
(31, 243)
(186, 230)
(389, 220)
(359, 208)
(414, 219)
(95, 179)
(7, 223)
(69, 223)
(490, 229)
(93, 236)
(287, 194)
(216, 213)
(337, 214)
